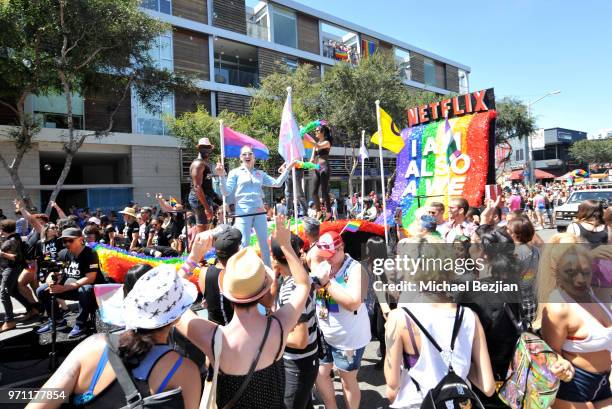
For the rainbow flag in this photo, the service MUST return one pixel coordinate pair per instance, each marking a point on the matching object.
(341, 55)
(173, 202)
(368, 48)
(234, 141)
(353, 226)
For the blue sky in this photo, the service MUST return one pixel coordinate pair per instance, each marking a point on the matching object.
(522, 48)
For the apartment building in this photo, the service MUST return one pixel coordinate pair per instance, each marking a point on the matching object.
(229, 45)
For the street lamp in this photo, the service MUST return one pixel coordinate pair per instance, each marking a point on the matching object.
(528, 141)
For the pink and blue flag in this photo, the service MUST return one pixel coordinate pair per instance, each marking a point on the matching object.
(110, 303)
(234, 141)
(290, 145)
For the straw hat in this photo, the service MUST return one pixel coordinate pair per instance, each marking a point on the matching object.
(205, 142)
(158, 298)
(130, 211)
(245, 278)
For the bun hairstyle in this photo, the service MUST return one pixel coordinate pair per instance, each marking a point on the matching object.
(498, 247)
(134, 345)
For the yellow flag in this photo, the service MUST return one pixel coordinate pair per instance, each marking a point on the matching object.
(391, 138)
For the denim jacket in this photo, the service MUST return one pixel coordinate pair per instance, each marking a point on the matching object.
(246, 186)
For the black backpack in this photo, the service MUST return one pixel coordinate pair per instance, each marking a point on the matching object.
(172, 399)
(452, 391)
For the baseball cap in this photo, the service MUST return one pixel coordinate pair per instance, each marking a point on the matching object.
(329, 243)
(71, 233)
(227, 242)
(94, 220)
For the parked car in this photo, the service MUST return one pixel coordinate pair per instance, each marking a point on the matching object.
(566, 213)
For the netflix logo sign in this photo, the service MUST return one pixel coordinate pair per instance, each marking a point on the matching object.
(474, 102)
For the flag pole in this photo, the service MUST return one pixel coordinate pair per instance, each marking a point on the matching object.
(382, 171)
(294, 179)
(222, 142)
(362, 170)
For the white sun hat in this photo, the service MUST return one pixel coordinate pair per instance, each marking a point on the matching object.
(158, 298)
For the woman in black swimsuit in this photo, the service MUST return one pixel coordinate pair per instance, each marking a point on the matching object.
(321, 153)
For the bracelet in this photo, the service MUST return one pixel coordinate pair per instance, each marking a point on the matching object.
(187, 270)
(191, 264)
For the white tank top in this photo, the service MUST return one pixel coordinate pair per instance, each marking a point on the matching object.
(430, 368)
(344, 329)
(599, 338)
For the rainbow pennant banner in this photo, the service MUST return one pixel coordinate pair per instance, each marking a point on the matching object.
(448, 152)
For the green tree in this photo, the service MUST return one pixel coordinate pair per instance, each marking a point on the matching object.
(592, 151)
(348, 93)
(513, 120)
(76, 47)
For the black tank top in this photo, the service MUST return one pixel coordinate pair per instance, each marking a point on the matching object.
(220, 310)
(593, 237)
(207, 185)
(266, 389)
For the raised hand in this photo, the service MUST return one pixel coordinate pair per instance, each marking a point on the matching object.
(281, 232)
(220, 169)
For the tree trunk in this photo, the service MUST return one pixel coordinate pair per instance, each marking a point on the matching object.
(60, 180)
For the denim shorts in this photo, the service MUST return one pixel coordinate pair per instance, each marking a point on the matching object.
(586, 386)
(344, 360)
(198, 208)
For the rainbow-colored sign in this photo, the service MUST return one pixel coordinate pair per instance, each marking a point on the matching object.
(445, 158)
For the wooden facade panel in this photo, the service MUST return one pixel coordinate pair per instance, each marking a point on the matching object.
(230, 14)
(452, 78)
(308, 33)
(191, 9)
(270, 62)
(233, 102)
(417, 67)
(385, 46)
(98, 108)
(191, 53)
(188, 102)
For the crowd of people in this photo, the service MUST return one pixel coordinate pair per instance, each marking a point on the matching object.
(286, 318)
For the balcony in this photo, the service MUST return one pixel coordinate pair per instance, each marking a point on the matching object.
(234, 76)
(235, 63)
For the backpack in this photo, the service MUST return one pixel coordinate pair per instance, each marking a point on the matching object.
(529, 383)
(172, 399)
(452, 392)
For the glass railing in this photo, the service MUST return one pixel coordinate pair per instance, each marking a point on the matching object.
(233, 76)
(257, 30)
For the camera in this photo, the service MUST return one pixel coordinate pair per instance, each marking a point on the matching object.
(49, 266)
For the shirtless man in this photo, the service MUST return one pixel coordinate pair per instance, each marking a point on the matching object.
(202, 196)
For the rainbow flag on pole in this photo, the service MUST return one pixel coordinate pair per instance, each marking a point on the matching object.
(234, 141)
(353, 226)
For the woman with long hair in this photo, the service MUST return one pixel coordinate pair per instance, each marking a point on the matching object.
(589, 223)
(151, 309)
(320, 156)
(412, 365)
(576, 324)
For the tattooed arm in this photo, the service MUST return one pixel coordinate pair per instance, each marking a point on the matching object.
(396, 324)
(66, 376)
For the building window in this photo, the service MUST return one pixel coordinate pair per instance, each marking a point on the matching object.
(163, 6)
(463, 82)
(161, 52)
(257, 18)
(339, 44)
(285, 26)
(403, 62)
(430, 71)
(151, 122)
(50, 111)
(291, 63)
(235, 63)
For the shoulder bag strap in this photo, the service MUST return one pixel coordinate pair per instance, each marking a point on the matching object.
(513, 319)
(209, 397)
(132, 394)
(457, 325)
(249, 375)
(423, 330)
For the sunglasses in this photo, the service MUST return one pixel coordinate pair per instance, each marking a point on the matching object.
(68, 241)
(52, 227)
(247, 154)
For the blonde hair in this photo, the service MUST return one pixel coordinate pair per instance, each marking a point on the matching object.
(556, 250)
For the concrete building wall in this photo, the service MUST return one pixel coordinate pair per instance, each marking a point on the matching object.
(155, 170)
